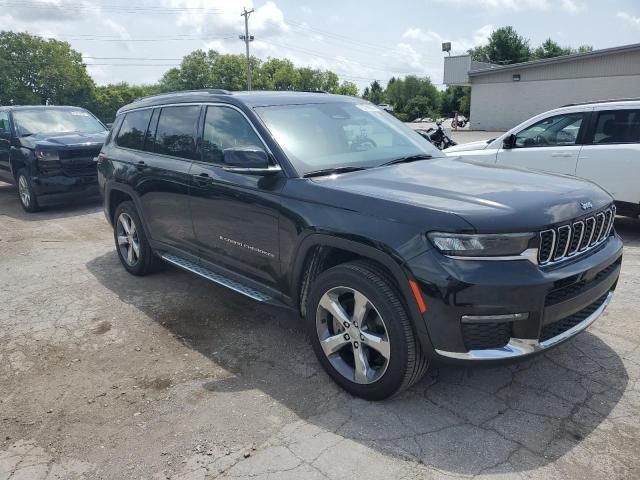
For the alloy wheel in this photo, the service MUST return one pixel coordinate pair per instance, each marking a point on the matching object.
(128, 240)
(353, 335)
(23, 190)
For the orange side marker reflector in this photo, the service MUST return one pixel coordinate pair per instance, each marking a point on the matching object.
(416, 293)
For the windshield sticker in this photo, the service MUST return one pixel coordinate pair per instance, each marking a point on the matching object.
(80, 114)
(368, 108)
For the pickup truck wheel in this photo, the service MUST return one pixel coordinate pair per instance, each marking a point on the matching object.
(132, 246)
(28, 198)
(361, 332)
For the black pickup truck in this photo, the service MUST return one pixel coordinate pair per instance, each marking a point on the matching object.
(49, 152)
(392, 253)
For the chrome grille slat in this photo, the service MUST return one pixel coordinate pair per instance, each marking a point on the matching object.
(564, 241)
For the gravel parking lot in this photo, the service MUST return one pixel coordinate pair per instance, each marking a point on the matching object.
(107, 376)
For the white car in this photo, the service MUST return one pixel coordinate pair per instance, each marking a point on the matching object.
(596, 141)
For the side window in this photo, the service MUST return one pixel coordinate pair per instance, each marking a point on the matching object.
(175, 134)
(4, 123)
(132, 131)
(620, 126)
(225, 127)
(150, 138)
(561, 130)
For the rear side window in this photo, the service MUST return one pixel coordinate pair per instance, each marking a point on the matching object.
(619, 126)
(4, 123)
(175, 134)
(132, 131)
(225, 128)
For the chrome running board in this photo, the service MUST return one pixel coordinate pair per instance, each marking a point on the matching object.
(216, 277)
(520, 347)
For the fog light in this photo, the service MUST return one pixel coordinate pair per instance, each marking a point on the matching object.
(511, 317)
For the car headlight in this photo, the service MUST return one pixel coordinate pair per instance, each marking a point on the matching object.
(489, 245)
(47, 156)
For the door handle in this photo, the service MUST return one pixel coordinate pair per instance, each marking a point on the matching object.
(562, 155)
(140, 165)
(202, 178)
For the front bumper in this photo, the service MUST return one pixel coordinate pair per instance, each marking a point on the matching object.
(52, 189)
(499, 310)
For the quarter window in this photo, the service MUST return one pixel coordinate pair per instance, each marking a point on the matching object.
(175, 132)
(225, 128)
(561, 130)
(621, 126)
(4, 122)
(132, 131)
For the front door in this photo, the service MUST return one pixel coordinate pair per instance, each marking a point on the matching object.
(235, 215)
(5, 147)
(550, 145)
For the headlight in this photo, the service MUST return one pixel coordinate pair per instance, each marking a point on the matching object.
(47, 156)
(493, 245)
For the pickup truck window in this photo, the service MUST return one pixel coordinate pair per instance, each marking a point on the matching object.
(39, 120)
(225, 127)
(341, 135)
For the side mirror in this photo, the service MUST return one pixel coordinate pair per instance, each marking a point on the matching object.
(247, 160)
(509, 142)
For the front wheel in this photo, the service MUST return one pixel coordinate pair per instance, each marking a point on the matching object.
(28, 198)
(361, 332)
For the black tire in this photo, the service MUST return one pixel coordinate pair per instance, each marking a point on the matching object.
(146, 261)
(406, 363)
(28, 199)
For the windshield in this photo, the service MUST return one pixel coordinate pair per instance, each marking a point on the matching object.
(337, 135)
(52, 120)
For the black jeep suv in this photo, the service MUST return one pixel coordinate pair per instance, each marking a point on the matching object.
(394, 254)
(49, 152)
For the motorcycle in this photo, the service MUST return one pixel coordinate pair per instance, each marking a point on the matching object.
(437, 136)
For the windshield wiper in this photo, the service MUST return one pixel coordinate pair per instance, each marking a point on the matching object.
(331, 171)
(408, 159)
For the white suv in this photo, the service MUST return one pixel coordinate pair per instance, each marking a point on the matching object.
(596, 141)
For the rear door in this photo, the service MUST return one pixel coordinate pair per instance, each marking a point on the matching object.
(156, 148)
(5, 146)
(235, 215)
(550, 145)
(611, 154)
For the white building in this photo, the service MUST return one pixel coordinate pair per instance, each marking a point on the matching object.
(503, 96)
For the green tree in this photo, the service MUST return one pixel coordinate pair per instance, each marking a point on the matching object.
(38, 71)
(108, 99)
(376, 94)
(366, 93)
(455, 99)
(401, 91)
(505, 47)
(347, 88)
(550, 49)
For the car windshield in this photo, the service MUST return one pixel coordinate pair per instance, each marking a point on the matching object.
(52, 120)
(324, 136)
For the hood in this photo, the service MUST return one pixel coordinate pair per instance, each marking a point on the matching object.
(481, 145)
(61, 141)
(490, 198)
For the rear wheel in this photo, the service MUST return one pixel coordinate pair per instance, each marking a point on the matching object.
(361, 332)
(132, 245)
(28, 198)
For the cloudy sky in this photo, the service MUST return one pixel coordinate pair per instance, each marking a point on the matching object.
(138, 40)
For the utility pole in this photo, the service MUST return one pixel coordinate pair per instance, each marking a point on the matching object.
(247, 38)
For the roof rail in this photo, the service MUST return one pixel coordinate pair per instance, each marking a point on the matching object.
(611, 100)
(213, 91)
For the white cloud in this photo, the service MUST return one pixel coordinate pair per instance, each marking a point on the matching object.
(421, 35)
(517, 5)
(631, 19)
